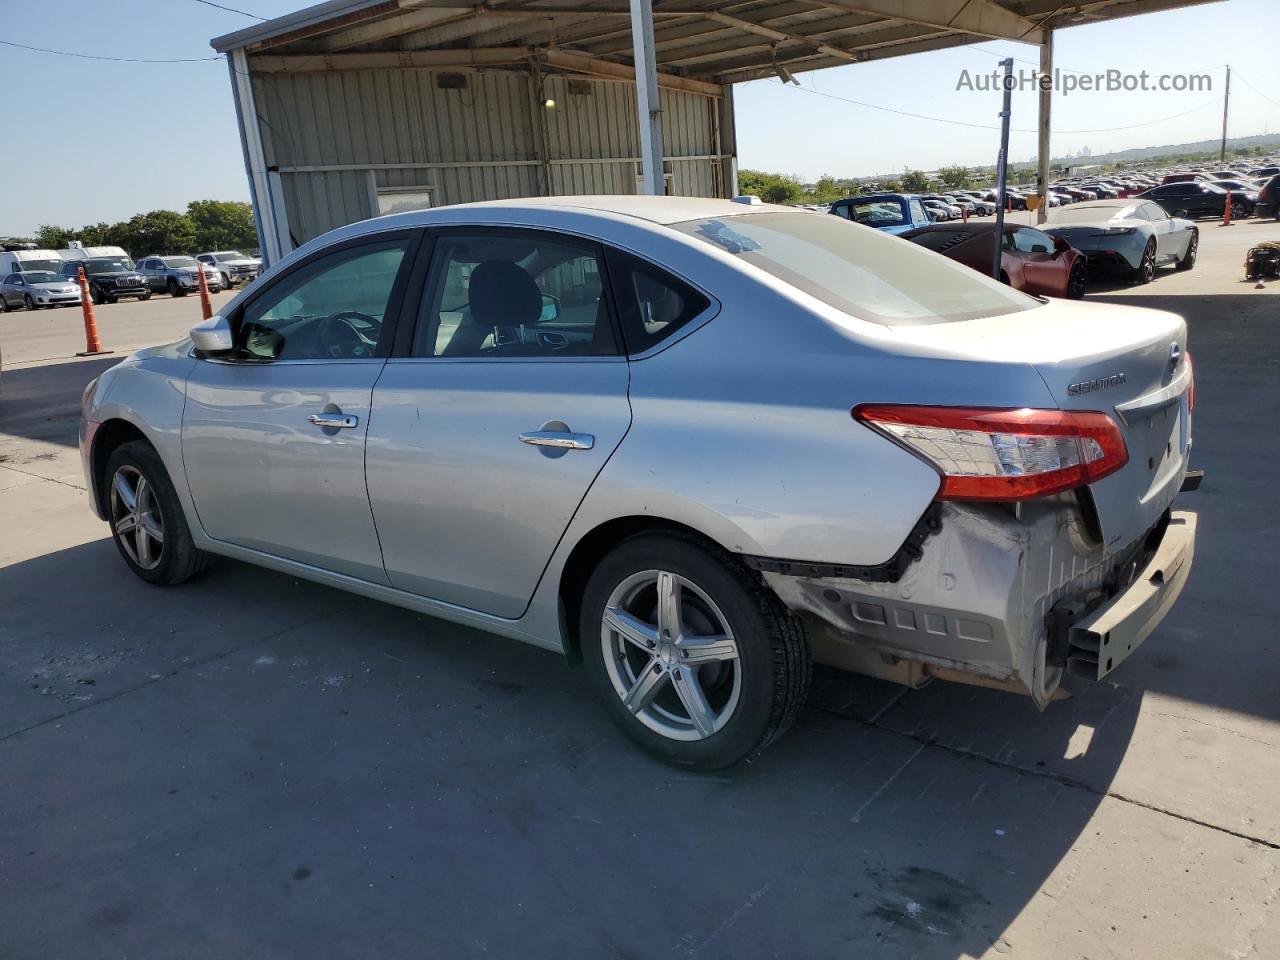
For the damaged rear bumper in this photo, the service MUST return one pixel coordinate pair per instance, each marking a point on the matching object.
(976, 602)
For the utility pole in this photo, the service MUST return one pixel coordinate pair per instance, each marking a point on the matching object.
(1002, 166)
(1226, 103)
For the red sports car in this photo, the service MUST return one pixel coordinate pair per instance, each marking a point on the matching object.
(1032, 261)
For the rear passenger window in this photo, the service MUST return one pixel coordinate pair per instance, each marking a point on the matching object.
(651, 302)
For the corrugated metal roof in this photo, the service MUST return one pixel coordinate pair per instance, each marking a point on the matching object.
(720, 41)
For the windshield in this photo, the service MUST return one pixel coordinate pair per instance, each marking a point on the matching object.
(222, 256)
(1089, 213)
(865, 273)
(41, 276)
(29, 265)
(877, 213)
(179, 263)
(95, 267)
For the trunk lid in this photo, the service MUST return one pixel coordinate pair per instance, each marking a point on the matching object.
(1127, 362)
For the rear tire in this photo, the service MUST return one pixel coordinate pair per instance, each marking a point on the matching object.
(147, 523)
(695, 703)
(1146, 271)
(1077, 280)
(1189, 258)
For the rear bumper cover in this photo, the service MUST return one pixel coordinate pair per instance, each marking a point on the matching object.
(978, 599)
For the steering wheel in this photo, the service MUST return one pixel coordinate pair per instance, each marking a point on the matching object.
(341, 339)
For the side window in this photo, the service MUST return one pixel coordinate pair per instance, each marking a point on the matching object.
(329, 309)
(1031, 241)
(652, 304)
(1153, 212)
(515, 293)
(917, 212)
(841, 211)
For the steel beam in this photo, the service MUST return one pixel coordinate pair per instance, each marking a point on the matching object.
(1044, 151)
(648, 106)
(986, 18)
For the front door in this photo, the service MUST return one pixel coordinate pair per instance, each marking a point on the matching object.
(273, 437)
(485, 439)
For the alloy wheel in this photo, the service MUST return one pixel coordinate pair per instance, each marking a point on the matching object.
(1077, 281)
(670, 655)
(136, 518)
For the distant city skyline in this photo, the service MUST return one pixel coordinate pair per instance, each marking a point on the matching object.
(80, 164)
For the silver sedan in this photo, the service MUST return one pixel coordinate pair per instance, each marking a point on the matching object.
(37, 290)
(694, 445)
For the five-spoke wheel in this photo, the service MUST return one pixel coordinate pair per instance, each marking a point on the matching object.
(694, 656)
(136, 518)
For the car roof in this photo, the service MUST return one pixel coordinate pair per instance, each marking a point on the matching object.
(664, 210)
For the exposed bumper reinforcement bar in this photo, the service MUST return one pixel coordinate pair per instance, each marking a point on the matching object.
(1103, 639)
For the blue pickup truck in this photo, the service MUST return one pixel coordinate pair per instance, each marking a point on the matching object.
(890, 212)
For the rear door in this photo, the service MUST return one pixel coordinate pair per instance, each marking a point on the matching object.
(273, 437)
(490, 428)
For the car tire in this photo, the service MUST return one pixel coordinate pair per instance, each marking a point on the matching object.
(741, 692)
(28, 302)
(1077, 280)
(96, 295)
(1193, 247)
(1146, 270)
(145, 296)
(226, 281)
(174, 289)
(4, 304)
(111, 299)
(151, 533)
(1239, 212)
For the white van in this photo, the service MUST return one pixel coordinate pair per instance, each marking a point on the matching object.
(78, 252)
(16, 261)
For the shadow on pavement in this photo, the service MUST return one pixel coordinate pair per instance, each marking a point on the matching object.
(255, 760)
(43, 402)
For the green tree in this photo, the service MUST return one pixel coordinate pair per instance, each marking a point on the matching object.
(157, 232)
(956, 177)
(222, 224)
(914, 181)
(51, 237)
(770, 187)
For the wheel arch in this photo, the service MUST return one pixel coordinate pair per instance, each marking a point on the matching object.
(587, 553)
(110, 435)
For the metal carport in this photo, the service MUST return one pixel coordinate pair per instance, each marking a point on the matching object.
(353, 107)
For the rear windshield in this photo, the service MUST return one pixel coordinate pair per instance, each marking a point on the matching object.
(1088, 213)
(862, 272)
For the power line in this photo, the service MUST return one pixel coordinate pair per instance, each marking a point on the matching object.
(1242, 78)
(988, 126)
(94, 56)
(243, 13)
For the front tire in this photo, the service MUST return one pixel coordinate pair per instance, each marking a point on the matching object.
(1189, 258)
(174, 289)
(147, 522)
(28, 302)
(693, 656)
(145, 296)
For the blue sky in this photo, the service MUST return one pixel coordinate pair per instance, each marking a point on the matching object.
(102, 140)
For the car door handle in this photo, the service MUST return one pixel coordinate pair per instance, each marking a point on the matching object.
(333, 420)
(558, 438)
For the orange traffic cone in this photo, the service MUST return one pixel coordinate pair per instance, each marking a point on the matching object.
(206, 305)
(1226, 213)
(92, 345)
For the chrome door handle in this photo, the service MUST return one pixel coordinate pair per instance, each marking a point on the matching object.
(559, 438)
(333, 420)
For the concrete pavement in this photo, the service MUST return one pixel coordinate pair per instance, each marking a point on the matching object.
(254, 765)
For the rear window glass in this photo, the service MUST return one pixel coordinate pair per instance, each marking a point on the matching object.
(865, 273)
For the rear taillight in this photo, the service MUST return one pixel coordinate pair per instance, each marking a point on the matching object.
(999, 454)
(1191, 387)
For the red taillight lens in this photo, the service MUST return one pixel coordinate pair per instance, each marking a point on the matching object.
(1191, 388)
(998, 454)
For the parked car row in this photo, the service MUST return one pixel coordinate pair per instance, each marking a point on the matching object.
(36, 278)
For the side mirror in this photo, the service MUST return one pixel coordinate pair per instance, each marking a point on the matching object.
(1061, 245)
(550, 309)
(213, 336)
